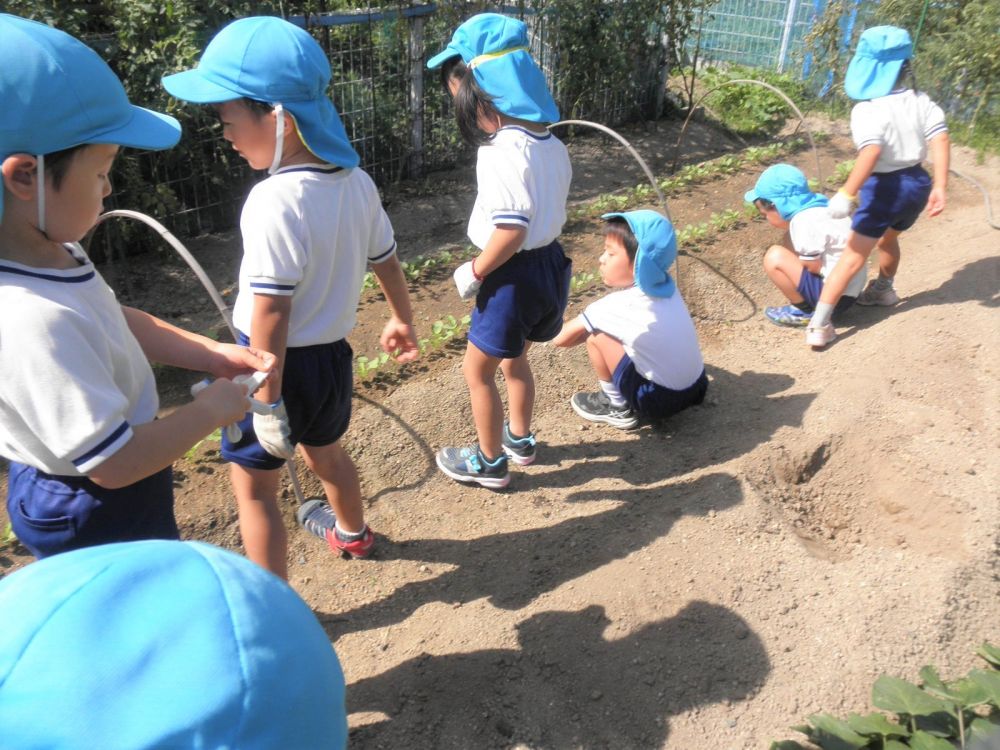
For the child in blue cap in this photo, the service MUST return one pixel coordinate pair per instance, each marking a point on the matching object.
(641, 340)
(90, 461)
(310, 230)
(520, 279)
(815, 241)
(163, 644)
(891, 125)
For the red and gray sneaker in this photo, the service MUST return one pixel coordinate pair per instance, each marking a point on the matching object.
(317, 518)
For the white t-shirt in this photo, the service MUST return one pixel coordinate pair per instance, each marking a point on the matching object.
(523, 179)
(816, 235)
(309, 232)
(901, 123)
(74, 377)
(656, 332)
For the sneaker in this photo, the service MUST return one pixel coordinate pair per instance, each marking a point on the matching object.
(317, 517)
(787, 315)
(596, 407)
(872, 295)
(470, 465)
(821, 336)
(519, 450)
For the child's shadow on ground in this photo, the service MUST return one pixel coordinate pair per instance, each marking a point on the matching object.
(512, 569)
(979, 281)
(567, 685)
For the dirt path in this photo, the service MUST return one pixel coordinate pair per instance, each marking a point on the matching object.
(823, 518)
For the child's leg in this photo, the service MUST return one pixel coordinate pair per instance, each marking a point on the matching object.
(335, 469)
(480, 371)
(859, 247)
(784, 269)
(888, 254)
(605, 352)
(520, 391)
(261, 526)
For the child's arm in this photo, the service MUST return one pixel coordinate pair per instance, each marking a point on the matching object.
(505, 240)
(573, 333)
(157, 444)
(941, 155)
(269, 332)
(398, 333)
(169, 345)
(863, 167)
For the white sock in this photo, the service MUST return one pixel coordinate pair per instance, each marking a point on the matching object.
(349, 536)
(821, 315)
(612, 392)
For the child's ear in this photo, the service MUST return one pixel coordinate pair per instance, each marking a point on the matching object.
(19, 173)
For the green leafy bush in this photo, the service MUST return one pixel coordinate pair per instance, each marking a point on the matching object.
(749, 109)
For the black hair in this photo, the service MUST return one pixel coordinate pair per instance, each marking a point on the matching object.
(57, 163)
(764, 203)
(470, 100)
(617, 227)
(257, 108)
(906, 72)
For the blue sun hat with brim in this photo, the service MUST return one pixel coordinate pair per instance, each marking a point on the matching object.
(163, 644)
(875, 67)
(496, 48)
(656, 253)
(787, 188)
(268, 59)
(57, 93)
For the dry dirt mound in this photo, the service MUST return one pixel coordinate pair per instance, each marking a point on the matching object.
(822, 518)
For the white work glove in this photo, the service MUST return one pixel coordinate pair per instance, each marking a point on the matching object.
(272, 430)
(840, 205)
(466, 281)
(252, 383)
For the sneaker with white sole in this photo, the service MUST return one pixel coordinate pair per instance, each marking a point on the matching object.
(519, 450)
(820, 336)
(596, 407)
(873, 295)
(468, 464)
(787, 315)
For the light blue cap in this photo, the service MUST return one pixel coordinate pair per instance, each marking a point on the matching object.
(657, 251)
(873, 70)
(496, 48)
(160, 644)
(56, 93)
(787, 188)
(268, 59)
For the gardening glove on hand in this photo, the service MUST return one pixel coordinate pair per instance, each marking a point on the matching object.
(467, 281)
(840, 205)
(273, 430)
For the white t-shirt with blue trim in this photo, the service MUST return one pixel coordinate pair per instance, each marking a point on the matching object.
(901, 123)
(309, 232)
(523, 180)
(74, 379)
(657, 333)
(815, 234)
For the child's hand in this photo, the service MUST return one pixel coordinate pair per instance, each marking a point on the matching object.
(840, 205)
(227, 400)
(231, 360)
(935, 202)
(400, 336)
(466, 281)
(273, 431)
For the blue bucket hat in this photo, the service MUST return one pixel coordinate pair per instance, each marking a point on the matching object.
(657, 251)
(787, 188)
(873, 70)
(496, 48)
(163, 644)
(56, 93)
(271, 60)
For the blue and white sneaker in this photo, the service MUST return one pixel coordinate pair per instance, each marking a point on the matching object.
(787, 315)
(468, 464)
(519, 450)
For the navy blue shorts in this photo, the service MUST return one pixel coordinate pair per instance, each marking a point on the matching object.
(316, 385)
(52, 514)
(651, 400)
(522, 300)
(891, 199)
(811, 286)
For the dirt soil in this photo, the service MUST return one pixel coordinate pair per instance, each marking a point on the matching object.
(823, 518)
